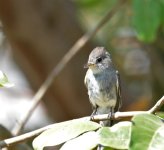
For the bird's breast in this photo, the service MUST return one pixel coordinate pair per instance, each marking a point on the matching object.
(101, 89)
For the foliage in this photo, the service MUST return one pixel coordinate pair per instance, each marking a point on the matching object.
(147, 133)
(62, 132)
(144, 132)
(4, 82)
(146, 16)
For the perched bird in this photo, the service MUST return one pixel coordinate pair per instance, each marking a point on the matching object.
(103, 84)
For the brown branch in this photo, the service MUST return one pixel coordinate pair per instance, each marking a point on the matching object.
(62, 63)
(116, 116)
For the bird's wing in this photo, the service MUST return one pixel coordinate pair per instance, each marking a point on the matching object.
(85, 81)
(118, 90)
(94, 106)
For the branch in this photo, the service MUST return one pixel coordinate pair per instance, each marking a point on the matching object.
(23, 137)
(121, 115)
(62, 63)
(116, 116)
(157, 106)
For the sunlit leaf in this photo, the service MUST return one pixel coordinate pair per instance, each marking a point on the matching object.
(63, 132)
(145, 133)
(4, 82)
(87, 141)
(157, 142)
(117, 136)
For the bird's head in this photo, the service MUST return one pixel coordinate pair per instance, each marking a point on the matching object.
(99, 60)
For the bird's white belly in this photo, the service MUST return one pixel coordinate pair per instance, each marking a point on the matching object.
(98, 96)
(102, 100)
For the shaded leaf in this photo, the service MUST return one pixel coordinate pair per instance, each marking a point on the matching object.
(87, 141)
(94, 4)
(63, 132)
(144, 130)
(160, 114)
(4, 82)
(162, 11)
(117, 136)
(146, 18)
(4, 133)
(108, 148)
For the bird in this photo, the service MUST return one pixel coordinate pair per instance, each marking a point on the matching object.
(103, 83)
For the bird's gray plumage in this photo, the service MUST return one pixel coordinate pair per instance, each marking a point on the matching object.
(102, 82)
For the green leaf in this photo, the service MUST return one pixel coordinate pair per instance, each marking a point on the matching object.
(87, 141)
(146, 18)
(108, 148)
(145, 132)
(94, 3)
(160, 114)
(63, 132)
(4, 82)
(117, 136)
(157, 142)
(162, 11)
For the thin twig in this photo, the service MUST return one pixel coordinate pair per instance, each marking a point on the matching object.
(62, 63)
(157, 106)
(116, 116)
(121, 115)
(23, 137)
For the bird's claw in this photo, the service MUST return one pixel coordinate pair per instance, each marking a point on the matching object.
(92, 117)
(110, 115)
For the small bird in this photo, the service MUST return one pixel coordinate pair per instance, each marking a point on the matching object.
(103, 84)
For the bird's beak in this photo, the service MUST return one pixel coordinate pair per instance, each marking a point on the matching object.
(88, 65)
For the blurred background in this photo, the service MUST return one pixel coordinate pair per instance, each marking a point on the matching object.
(35, 35)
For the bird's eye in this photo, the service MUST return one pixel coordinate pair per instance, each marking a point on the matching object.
(99, 60)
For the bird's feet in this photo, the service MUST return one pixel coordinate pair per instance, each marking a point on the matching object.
(92, 117)
(93, 113)
(111, 116)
